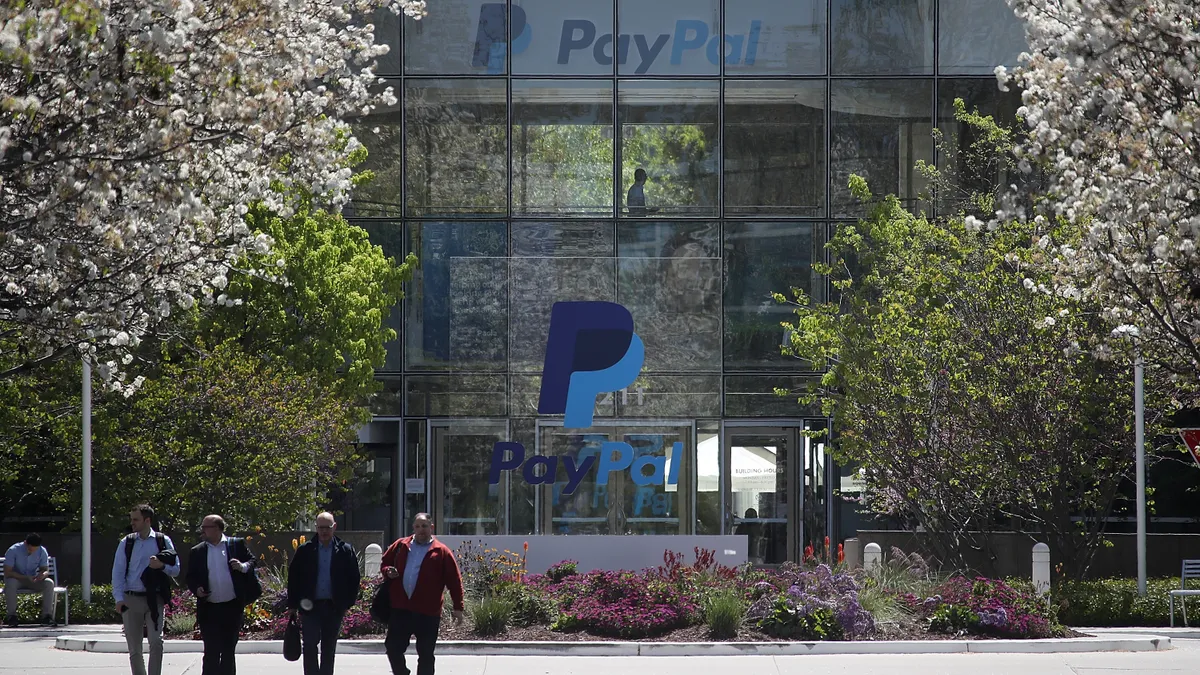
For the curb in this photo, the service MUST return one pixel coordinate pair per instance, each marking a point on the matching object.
(1145, 643)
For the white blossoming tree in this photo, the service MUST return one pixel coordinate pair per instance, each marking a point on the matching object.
(1112, 99)
(134, 135)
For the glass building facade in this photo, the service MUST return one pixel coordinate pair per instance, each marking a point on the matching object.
(506, 166)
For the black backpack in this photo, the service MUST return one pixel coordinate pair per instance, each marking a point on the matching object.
(160, 539)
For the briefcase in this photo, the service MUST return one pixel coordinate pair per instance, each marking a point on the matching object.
(291, 640)
(381, 604)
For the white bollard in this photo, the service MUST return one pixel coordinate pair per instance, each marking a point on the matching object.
(372, 560)
(872, 557)
(1041, 568)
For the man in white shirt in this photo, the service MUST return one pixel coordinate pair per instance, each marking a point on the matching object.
(219, 575)
(135, 554)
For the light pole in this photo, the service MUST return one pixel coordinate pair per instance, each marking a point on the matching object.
(1139, 411)
(86, 516)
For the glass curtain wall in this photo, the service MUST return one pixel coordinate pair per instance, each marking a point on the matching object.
(685, 158)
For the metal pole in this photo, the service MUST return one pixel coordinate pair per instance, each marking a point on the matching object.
(86, 516)
(1139, 409)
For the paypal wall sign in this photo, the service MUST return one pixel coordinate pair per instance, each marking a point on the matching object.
(591, 349)
(652, 39)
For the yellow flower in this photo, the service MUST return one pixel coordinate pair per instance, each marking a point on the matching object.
(302, 539)
(294, 544)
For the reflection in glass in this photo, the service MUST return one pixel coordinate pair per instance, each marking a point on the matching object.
(816, 499)
(380, 133)
(975, 36)
(882, 37)
(673, 292)
(761, 259)
(775, 148)
(708, 481)
(572, 37)
(538, 283)
(759, 493)
(469, 504)
(768, 37)
(669, 131)
(389, 236)
(526, 389)
(456, 312)
(562, 240)
(456, 146)
(458, 37)
(972, 177)
(670, 396)
(669, 37)
(754, 396)
(562, 138)
(415, 468)
(879, 129)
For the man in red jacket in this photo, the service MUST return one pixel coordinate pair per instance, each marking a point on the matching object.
(421, 567)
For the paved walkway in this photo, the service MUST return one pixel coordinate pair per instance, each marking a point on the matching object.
(36, 656)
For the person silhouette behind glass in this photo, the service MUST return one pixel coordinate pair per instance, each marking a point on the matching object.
(636, 198)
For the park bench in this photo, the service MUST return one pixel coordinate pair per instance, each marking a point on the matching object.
(57, 590)
(1191, 570)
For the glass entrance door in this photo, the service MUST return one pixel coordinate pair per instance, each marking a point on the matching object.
(463, 501)
(761, 497)
(622, 505)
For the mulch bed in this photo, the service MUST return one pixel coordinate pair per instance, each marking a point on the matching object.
(463, 632)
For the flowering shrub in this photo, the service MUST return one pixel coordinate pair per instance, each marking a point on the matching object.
(817, 604)
(482, 568)
(562, 570)
(990, 606)
(622, 604)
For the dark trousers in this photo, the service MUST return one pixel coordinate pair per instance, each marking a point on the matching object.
(220, 624)
(402, 626)
(320, 626)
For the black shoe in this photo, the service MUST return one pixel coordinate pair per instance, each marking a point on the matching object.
(49, 621)
(11, 621)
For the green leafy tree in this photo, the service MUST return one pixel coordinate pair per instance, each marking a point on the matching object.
(225, 432)
(961, 390)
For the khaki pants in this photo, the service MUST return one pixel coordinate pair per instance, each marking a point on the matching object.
(135, 617)
(46, 586)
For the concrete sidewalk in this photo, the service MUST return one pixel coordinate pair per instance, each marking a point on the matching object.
(38, 657)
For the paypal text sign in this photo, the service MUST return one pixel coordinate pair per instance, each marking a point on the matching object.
(548, 36)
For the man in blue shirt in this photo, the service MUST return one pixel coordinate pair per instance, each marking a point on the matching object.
(137, 607)
(323, 584)
(27, 567)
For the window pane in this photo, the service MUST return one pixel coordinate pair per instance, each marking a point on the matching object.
(880, 129)
(388, 26)
(669, 130)
(457, 37)
(671, 396)
(957, 138)
(754, 396)
(670, 280)
(456, 312)
(538, 283)
(380, 133)
(975, 36)
(761, 259)
(562, 240)
(669, 37)
(882, 37)
(456, 145)
(562, 37)
(562, 140)
(775, 148)
(768, 37)
(390, 237)
(456, 395)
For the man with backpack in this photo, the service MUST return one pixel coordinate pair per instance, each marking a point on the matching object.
(143, 555)
(221, 576)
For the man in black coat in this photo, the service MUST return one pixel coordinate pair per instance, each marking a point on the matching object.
(221, 576)
(323, 583)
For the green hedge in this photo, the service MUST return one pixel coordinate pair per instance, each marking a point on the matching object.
(100, 610)
(1115, 602)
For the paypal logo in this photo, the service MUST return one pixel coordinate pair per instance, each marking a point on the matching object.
(591, 349)
(581, 37)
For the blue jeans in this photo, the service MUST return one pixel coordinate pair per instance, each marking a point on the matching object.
(320, 626)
